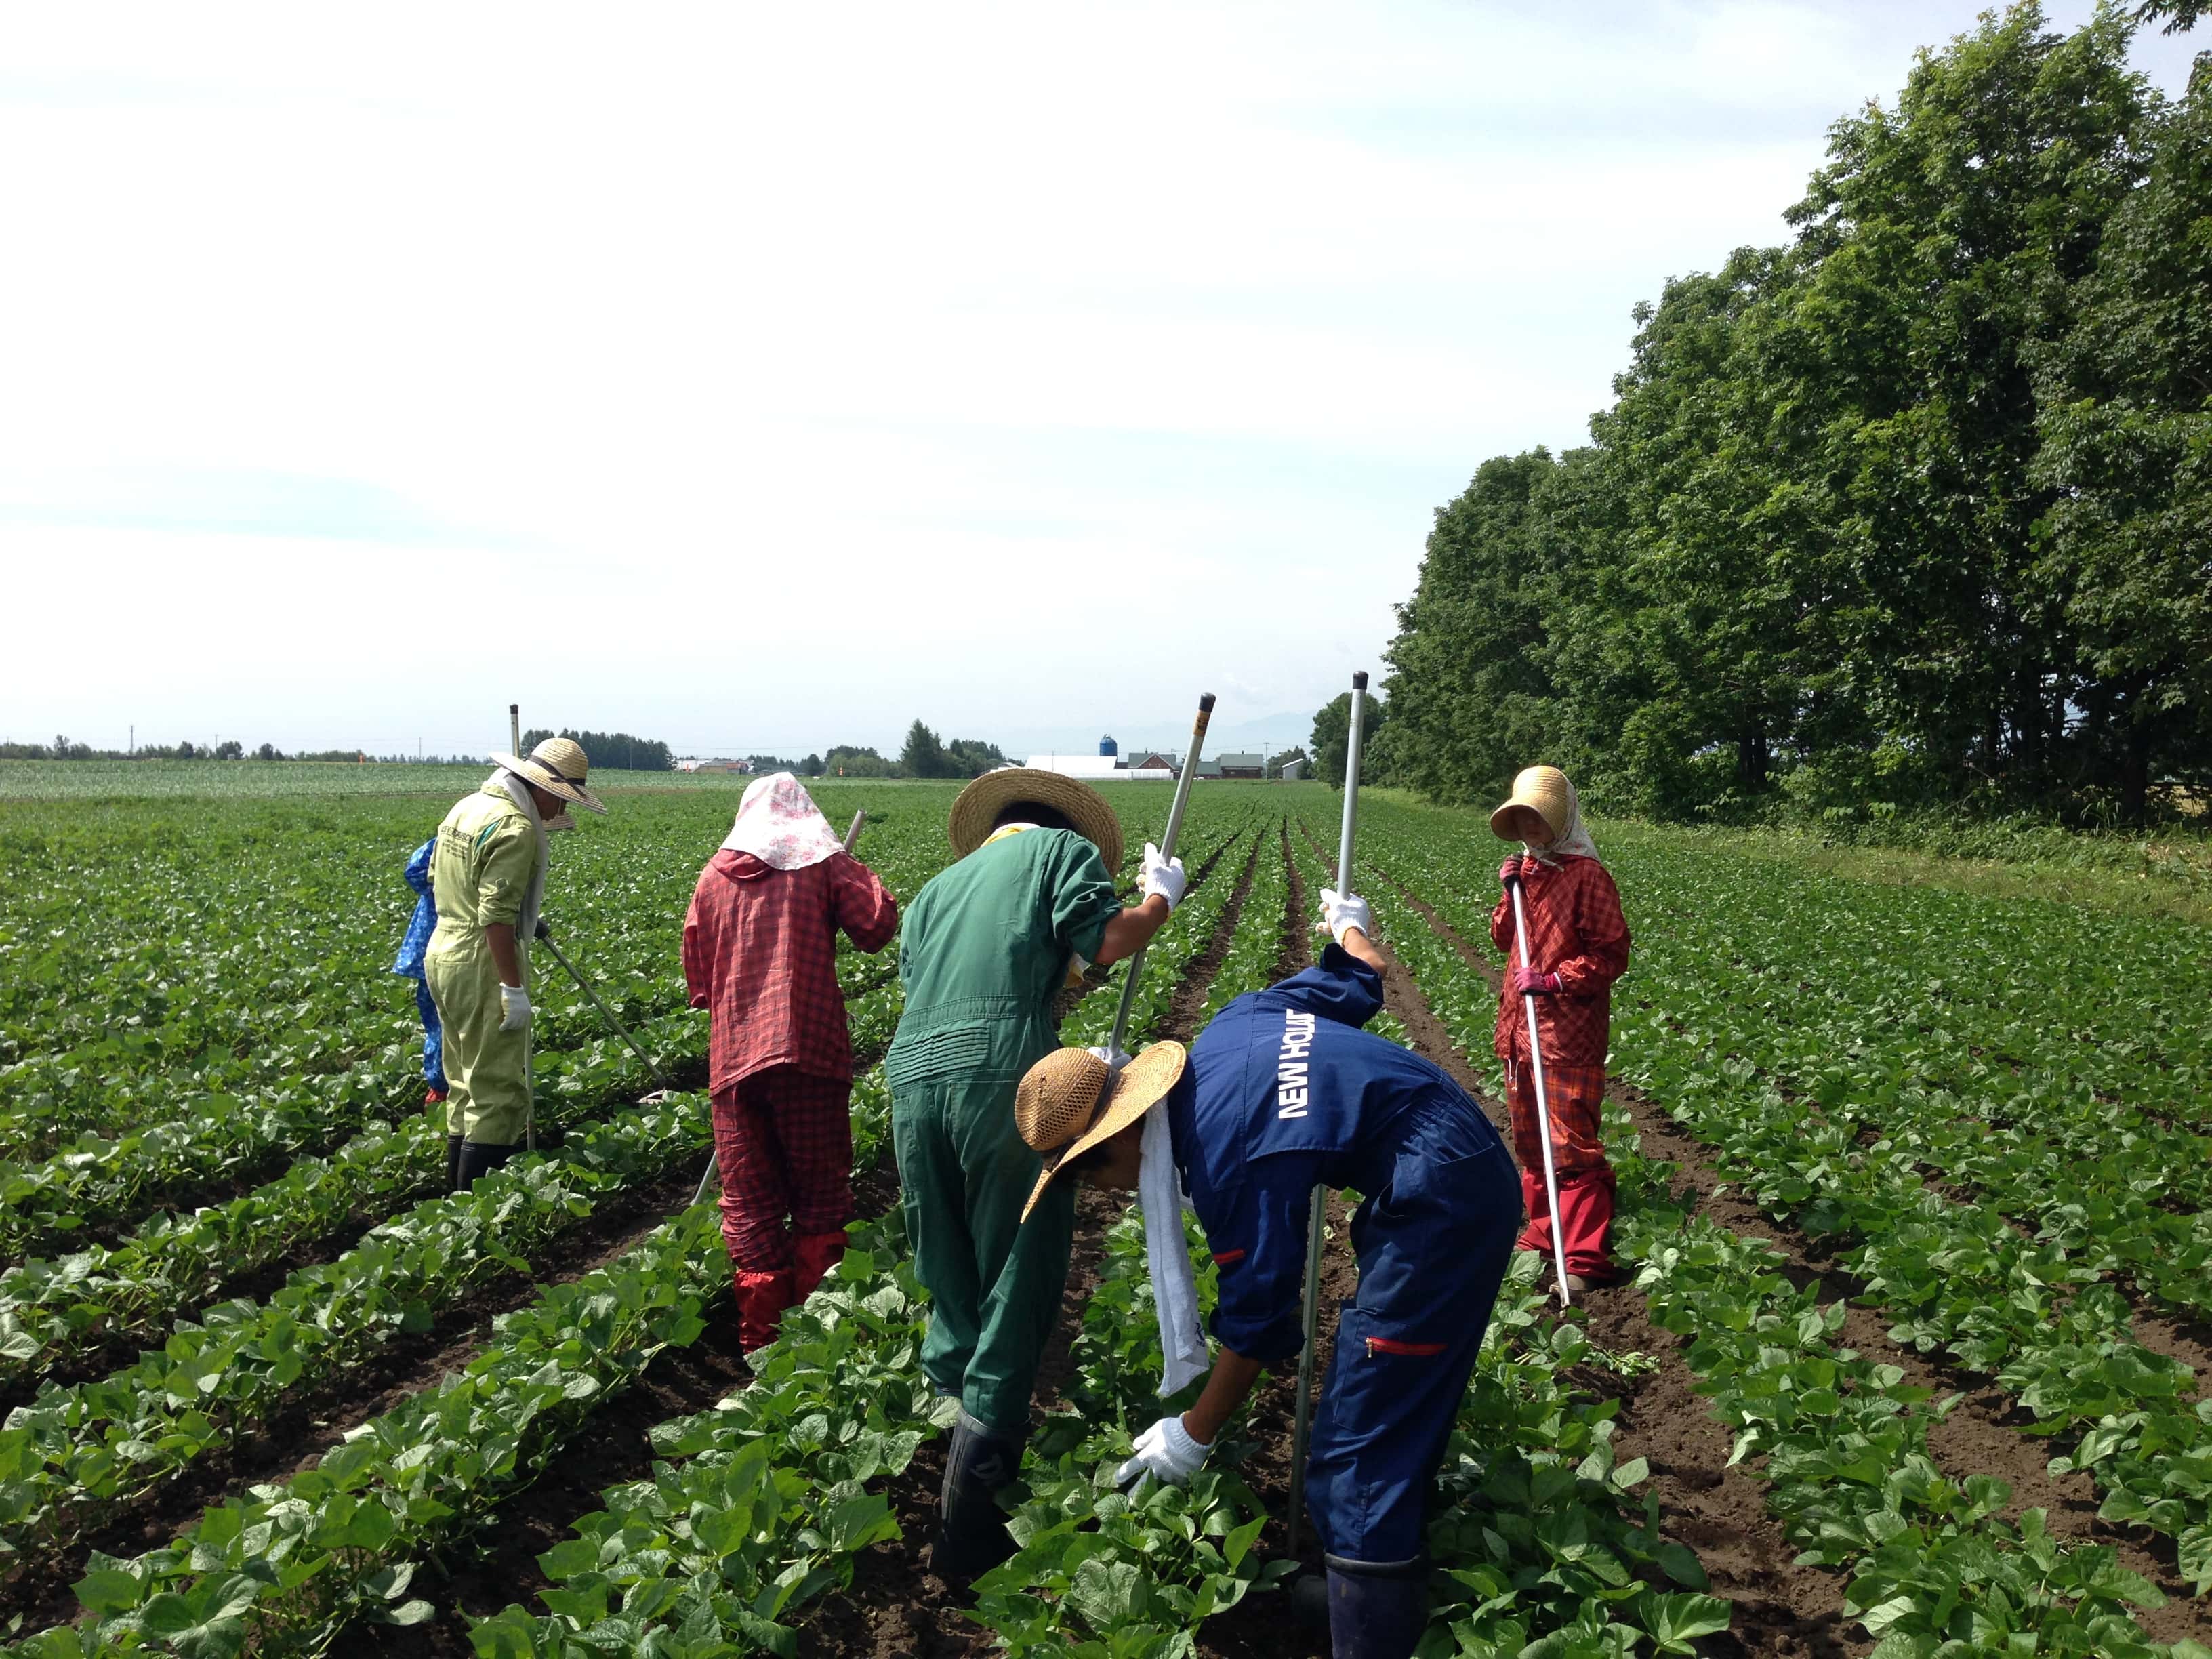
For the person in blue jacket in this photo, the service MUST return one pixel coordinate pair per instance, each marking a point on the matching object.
(409, 963)
(1283, 1091)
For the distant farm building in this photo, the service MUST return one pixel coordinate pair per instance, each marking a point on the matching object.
(689, 765)
(1096, 769)
(1107, 747)
(1293, 770)
(1242, 764)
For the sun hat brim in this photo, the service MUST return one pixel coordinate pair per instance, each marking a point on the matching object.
(551, 781)
(1136, 1089)
(969, 825)
(1528, 792)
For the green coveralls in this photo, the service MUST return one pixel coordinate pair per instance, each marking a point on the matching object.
(480, 873)
(984, 950)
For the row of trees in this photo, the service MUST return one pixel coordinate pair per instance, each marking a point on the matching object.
(230, 748)
(1915, 510)
(618, 749)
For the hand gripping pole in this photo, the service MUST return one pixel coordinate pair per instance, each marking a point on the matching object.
(1167, 851)
(1302, 1419)
(1543, 1101)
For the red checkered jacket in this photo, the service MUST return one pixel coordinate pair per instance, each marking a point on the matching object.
(760, 950)
(1577, 930)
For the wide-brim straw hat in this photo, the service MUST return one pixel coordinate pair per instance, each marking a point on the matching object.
(1543, 790)
(559, 766)
(1083, 806)
(1071, 1100)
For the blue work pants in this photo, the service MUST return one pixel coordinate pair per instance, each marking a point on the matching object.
(1432, 1251)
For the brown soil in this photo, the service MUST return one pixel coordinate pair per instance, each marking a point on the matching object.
(1980, 1436)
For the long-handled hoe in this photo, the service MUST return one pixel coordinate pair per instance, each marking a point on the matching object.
(1543, 1101)
(1167, 851)
(1302, 1418)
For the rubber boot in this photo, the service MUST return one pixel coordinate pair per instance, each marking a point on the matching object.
(762, 1298)
(1376, 1610)
(480, 1158)
(816, 1254)
(971, 1528)
(453, 1164)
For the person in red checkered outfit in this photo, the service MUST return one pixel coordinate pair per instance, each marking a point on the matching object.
(760, 951)
(1577, 946)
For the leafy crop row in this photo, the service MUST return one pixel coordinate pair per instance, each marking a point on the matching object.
(1845, 1444)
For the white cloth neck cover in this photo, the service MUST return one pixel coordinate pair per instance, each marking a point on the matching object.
(1174, 1287)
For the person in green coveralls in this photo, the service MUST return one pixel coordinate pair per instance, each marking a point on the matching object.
(986, 947)
(487, 877)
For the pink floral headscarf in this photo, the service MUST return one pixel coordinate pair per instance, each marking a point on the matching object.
(779, 823)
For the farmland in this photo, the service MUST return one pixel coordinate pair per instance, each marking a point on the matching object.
(1910, 1360)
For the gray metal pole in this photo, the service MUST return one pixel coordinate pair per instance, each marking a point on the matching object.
(515, 728)
(1167, 851)
(1543, 1105)
(1302, 1419)
(709, 1177)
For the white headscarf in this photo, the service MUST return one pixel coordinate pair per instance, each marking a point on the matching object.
(1572, 841)
(779, 823)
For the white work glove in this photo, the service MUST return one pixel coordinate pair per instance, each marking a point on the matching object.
(1162, 876)
(513, 1008)
(1115, 1058)
(1166, 1452)
(1340, 912)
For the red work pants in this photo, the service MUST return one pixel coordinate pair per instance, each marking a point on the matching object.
(784, 1143)
(1574, 1093)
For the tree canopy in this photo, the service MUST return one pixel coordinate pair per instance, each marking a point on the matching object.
(1914, 510)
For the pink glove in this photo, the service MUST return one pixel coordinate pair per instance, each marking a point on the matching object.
(1533, 981)
(1510, 871)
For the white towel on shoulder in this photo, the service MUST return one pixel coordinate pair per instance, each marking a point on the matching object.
(1174, 1287)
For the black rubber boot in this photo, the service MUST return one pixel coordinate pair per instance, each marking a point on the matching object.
(478, 1158)
(971, 1528)
(453, 1164)
(1376, 1610)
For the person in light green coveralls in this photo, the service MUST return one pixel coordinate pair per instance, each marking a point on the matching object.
(986, 948)
(488, 879)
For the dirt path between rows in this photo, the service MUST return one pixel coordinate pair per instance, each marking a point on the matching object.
(1981, 1436)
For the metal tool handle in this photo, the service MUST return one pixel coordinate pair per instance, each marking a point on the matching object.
(1543, 1101)
(854, 834)
(1167, 851)
(545, 937)
(1316, 1220)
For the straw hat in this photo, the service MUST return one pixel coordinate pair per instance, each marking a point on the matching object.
(1544, 791)
(1071, 1100)
(558, 766)
(1080, 804)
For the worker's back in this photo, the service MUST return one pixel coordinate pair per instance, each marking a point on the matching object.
(985, 946)
(486, 854)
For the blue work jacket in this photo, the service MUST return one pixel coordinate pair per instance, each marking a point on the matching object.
(1285, 1091)
(424, 921)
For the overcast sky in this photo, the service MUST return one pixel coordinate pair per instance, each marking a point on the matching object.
(763, 377)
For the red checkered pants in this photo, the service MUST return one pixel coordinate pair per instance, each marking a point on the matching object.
(784, 1143)
(1574, 1095)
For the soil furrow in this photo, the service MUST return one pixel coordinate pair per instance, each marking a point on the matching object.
(1980, 1436)
(301, 1427)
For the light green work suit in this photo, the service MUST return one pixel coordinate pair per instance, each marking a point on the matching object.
(480, 873)
(984, 949)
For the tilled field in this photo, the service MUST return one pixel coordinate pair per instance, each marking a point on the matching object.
(1909, 1354)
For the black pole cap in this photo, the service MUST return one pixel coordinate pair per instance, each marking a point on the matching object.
(1359, 679)
(1205, 703)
